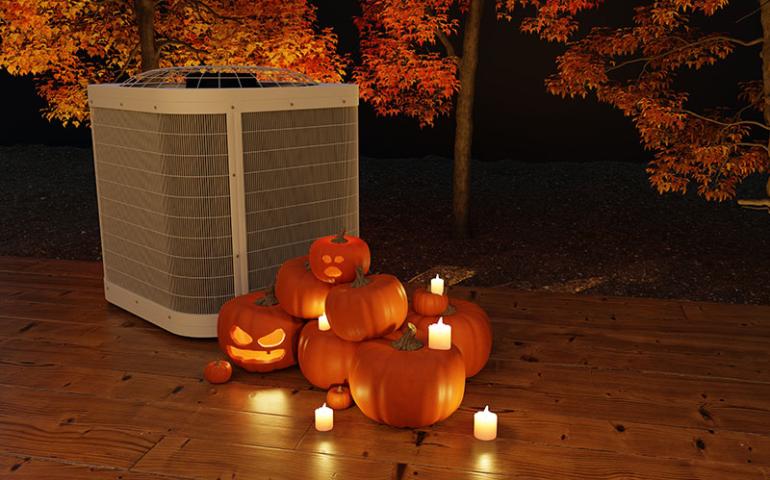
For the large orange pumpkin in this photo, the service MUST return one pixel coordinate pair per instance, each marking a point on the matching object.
(298, 291)
(404, 384)
(324, 358)
(334, 259)
(471, 332)
(428, 303)
(369, 307)
(256, 333)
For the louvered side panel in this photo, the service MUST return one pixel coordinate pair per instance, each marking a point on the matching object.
(165, 206)
(301, 183)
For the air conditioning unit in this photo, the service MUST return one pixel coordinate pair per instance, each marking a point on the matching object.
(208, 178)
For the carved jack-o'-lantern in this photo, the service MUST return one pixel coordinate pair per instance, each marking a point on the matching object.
(334, 259)
(257, 334)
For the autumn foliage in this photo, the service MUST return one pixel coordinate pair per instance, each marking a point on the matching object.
(636, 69)
(66, 44)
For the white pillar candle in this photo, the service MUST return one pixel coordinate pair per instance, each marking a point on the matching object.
(323, 323)
(485, 424)
(440, 335)
(437, 285)
(324, 418)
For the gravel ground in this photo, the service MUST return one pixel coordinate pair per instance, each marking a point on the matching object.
(595, 228)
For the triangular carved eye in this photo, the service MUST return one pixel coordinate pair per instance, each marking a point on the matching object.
(272, 339)
(240, 337)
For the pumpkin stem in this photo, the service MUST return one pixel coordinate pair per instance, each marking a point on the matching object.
(269, 299)
(408, 342)
(340, 238)
(361, 280)
(450, 310)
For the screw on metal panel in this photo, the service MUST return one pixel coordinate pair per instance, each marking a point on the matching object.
(232, 107)
(344, 101)
(233, 174)
(169, 317)
(121, 104)
(291, 104)
(155, 107)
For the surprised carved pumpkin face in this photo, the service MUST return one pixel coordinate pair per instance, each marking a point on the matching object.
(257, 334)
(334, 259)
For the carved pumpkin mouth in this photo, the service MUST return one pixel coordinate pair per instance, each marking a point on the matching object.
(255, 356)
(332, 271)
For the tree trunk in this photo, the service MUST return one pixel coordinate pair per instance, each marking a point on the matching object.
(464, 119)
(145, 22)
(765, 14)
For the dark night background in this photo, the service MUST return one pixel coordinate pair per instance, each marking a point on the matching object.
(515, 117)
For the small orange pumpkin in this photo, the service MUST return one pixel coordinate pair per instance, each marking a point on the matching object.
(471, 332)
(218, 371)
(256, 333)
(428, 303)
(324, 358)
(334, 259)
(338, 397)
(370, 307)
(298, 291)
(404, 384)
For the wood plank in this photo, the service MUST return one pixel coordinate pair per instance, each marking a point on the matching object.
(67, 268)
(79, 410)
(97, 446)
(207, 459)
(28, 468)
(507, 456)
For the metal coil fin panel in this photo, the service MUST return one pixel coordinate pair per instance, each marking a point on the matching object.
(300, 183)
(164, 198)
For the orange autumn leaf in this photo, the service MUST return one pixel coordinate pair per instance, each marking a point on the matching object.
(67, 44)
(635, 68)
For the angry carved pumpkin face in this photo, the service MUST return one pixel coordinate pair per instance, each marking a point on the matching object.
(257, 334)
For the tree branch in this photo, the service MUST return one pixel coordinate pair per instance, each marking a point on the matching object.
(647, 60)
(726, 124)
(128, 61)
(750, 144)
(180, 43)
(444, 39)
(753, 12)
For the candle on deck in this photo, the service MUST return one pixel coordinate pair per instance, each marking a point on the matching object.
(437, 285)
(440, 335)
(323, 323)
(485, 424)
(324, 418)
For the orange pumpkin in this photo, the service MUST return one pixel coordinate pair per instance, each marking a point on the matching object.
(298, 291)
(218, 371)
(370, 307)
(404, 384)
(334, 259)
(324, 358)
(338, 397)
(471, 332)
(428, 303)
(256, 333)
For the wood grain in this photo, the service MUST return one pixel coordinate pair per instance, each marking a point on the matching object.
(586, 387)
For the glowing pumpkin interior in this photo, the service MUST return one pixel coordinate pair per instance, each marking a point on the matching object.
(242, 339)
(332, 271)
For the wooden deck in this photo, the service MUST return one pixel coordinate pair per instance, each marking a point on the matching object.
(586, 387)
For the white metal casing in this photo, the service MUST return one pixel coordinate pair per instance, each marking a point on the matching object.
(122, 187)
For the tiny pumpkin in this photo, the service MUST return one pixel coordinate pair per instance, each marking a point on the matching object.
(257, 335)
(404, 384)
(338, 397)
(324, 358)
(471, 332)
(428, 303)
(369, 307)
(218, 371)
(298, 291)
(334, 259)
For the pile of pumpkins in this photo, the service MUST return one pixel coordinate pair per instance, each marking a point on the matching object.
(375, 353)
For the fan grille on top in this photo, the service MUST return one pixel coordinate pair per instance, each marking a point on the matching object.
(236, 76)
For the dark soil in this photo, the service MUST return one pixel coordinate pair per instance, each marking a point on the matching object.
(597, 228)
